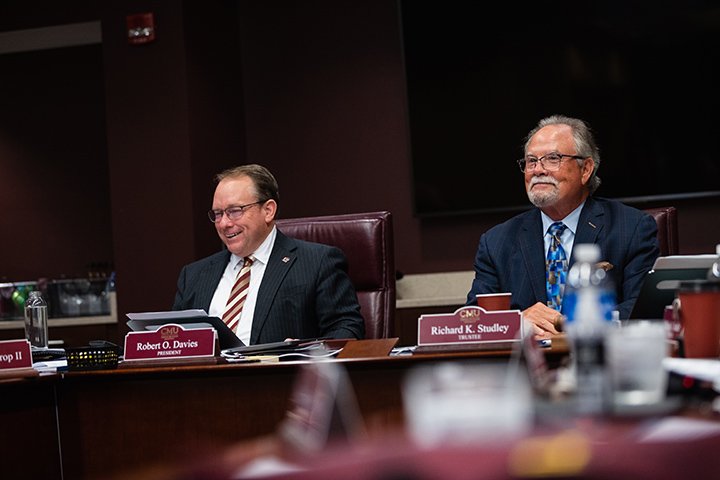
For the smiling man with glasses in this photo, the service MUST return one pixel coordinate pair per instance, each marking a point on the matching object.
(529, 254)
(268, 287)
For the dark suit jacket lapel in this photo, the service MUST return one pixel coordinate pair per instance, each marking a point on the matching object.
(282, 257)
(211, 276)
(532, 247)
(591, 223)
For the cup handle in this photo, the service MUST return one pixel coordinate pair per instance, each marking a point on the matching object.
(676, 316)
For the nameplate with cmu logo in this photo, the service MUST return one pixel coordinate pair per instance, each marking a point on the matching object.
(170, 341)
(470, 325)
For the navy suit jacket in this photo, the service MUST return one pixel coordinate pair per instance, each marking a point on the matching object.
(511, 256)
(305, 292)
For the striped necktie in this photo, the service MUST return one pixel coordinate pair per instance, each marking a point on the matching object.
(238, 294)
(555, 267)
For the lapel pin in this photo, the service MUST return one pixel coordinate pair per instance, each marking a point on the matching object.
(285, 259)
(591, 224)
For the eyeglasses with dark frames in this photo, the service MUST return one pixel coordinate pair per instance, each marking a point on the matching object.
(550, 162)
(233, 213)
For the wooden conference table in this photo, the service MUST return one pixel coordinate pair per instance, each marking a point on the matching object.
(131, 422)
(99, 424)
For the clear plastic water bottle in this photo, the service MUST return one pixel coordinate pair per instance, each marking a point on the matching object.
(588, 304)
(36, 320)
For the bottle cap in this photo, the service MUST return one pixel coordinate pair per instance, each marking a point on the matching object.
(586, 252)
(713, 273)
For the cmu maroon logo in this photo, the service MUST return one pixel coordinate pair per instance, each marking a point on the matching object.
(170, 332)
(469, 315)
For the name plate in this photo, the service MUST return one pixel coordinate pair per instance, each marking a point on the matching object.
(470, 325)
(170, 341)
(15, 354)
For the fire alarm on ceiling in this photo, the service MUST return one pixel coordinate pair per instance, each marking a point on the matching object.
(140, 28)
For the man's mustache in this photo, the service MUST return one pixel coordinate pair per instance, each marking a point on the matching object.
(543, 179)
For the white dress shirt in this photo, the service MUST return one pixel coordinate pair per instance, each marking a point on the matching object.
(257, 270)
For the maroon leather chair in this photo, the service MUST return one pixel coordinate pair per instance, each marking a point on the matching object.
(666, 218)
(367, 241)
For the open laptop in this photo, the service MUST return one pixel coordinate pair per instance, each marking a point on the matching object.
(140, 322)
(662, 282)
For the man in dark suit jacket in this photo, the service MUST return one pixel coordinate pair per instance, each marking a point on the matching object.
(560, 166)
(297, 289)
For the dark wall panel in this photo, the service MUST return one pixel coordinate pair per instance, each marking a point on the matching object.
(314, 90)
(54, 187)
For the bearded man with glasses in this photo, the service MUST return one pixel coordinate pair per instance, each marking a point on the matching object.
(268, 287)
(560, 171)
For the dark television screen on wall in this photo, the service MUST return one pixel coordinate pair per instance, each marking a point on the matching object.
(640, 73)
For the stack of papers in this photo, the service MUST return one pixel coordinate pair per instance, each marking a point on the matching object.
(51, 366)
(287, 350)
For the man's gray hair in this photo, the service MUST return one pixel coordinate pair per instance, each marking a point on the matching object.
(584, 142)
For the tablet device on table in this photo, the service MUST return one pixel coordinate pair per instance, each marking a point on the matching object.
(662, 282)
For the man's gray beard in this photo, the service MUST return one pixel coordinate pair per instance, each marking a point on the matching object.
(541, 200)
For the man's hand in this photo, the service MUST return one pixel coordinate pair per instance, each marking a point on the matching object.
(544, 320)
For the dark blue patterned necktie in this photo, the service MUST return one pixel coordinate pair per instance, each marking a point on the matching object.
(555, 267)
